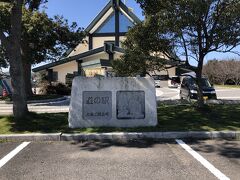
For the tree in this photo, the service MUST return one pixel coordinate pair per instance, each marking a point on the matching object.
(221, 72)
(236, 72)
(43, 38)
(135, 61)
(211, 70)
(11, 41)
(188, 30)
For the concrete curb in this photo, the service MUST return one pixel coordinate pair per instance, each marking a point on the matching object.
(153, 135)
(194, 135)
(48, 100)
(31, 137)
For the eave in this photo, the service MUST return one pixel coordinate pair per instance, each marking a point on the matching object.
(69, 59)
(77, 57)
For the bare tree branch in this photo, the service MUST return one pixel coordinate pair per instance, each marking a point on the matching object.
(185, 47)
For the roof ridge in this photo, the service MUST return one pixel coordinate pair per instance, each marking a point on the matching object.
(106, 8)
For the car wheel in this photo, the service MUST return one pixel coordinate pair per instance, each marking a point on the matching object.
(188, 99)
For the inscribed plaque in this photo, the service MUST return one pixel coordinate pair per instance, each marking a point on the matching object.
(97, 105)
(130, 104)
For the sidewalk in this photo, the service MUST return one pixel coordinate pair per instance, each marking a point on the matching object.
(57, 105)
(40, 101)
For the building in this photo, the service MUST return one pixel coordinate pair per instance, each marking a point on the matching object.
(103, 44)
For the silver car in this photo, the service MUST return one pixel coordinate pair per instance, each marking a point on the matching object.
(156, 80)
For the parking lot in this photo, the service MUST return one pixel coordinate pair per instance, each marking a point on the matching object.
(138, 159)
(165, 93)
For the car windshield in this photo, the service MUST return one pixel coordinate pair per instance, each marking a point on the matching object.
(156, 77)
(204, 81)
(176, 79)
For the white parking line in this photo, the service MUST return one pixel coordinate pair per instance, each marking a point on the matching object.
(14, 152)
(159, 92)
(230, 89)
(203, 161)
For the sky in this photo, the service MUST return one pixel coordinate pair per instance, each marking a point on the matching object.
(84, 11)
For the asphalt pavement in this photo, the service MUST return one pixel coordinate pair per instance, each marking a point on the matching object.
(165, 93)
(120, 160)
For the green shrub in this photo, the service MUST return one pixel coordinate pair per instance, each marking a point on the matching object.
(58, 88)
(62, 89)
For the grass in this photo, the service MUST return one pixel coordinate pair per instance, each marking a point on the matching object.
(170, 118)
(227, 86)
(7, 98)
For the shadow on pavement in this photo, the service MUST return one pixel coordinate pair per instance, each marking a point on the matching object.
(229, 149)
(99, 145)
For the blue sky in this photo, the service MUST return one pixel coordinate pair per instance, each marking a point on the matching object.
(84, 11)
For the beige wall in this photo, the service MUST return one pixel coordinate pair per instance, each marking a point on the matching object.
(82, 47)
(122, 39)
(99, 41)
(117, 55)
(102, 55)
(64, 69)
(170, 72)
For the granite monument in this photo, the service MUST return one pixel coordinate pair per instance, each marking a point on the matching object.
(112, 102)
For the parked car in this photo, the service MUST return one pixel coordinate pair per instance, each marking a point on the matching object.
(188, 89)
(174, 82)
(5, 87)
(156, 80)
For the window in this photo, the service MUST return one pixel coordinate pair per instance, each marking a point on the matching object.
(124, 23)
(108, 26)
(55, 76)
(156, 77)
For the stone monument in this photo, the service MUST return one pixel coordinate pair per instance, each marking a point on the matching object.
(112, 102)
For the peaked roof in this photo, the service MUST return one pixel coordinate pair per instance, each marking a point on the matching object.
(112, 4)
